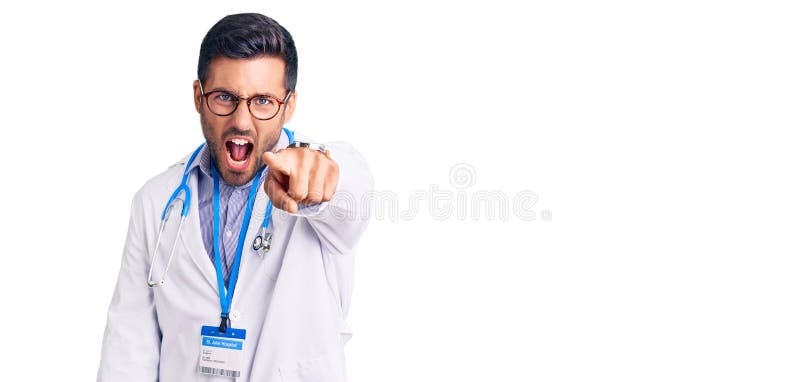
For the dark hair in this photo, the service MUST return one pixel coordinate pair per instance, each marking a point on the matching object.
(248, 35)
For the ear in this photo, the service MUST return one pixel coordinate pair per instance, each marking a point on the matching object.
(197, 95)
(287, 114)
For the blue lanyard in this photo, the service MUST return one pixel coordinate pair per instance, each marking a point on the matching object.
(265, 223)
(226, 296)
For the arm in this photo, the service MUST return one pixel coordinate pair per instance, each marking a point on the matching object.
(340, 222)
(132, 339)
(338, 218)
(332, 193)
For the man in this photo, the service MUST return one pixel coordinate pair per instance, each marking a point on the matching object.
(246, 291)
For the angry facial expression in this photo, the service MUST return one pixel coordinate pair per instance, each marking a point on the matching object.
(237, 141)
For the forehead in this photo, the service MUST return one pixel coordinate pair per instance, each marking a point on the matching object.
(247, 76)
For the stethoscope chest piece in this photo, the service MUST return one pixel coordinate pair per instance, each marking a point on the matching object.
(262, 244)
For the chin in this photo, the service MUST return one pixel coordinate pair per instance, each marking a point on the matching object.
(238, 178)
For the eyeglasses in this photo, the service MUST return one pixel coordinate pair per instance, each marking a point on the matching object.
(261, 106)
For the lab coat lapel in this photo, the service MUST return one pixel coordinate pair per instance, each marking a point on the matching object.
(192, 239)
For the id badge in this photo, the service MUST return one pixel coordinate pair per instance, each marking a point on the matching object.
(221, 353)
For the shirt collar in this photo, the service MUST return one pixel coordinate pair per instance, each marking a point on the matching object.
(203, 160)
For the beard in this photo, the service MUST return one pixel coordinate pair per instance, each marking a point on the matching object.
(221, 156)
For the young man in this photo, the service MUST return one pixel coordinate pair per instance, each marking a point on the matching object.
(238, 288)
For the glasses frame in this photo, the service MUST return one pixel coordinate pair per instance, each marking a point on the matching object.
(239, 99)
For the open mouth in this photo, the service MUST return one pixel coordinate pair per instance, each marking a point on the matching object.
(239, 150)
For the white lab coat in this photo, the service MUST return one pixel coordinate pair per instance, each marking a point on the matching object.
(292, 302)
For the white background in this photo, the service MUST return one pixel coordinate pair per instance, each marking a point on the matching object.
(660, 135)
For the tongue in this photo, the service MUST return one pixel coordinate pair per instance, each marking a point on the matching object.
(238, 152)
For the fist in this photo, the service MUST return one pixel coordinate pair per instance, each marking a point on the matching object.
(299, 175)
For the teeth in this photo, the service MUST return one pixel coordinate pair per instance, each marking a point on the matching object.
(239, 141)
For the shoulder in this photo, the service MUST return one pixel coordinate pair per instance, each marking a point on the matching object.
(156, 190)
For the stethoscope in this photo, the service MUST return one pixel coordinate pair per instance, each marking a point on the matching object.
(261, 244)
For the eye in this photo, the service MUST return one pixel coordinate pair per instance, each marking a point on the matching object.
(263, 100)
(223, 97)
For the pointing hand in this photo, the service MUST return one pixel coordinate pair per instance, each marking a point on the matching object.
(300, 175)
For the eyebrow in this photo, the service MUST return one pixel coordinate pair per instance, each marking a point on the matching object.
(223, 89)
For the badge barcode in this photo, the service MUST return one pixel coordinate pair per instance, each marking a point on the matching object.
(222, 372)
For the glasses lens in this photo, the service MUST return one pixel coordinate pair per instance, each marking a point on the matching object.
(222, 103)
(264, 107)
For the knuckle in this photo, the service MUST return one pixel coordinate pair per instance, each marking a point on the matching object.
(304, 157)
(297, 194)
(315, 197)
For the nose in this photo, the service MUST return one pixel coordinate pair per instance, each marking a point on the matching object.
(242, 117)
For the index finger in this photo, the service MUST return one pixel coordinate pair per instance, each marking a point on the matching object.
(277, 161)
(276, 192)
